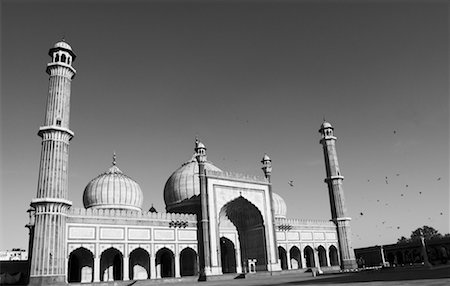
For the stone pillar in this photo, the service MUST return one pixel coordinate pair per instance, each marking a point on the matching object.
(238, 258)
(152, 267)
(177, 265)
(97, 268)
(288, 257)
(126, 268)
(334, 181)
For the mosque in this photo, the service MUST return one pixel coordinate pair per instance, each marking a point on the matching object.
(217, 222)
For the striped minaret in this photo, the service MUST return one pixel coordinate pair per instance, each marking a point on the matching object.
(51, 202)
(334, 180)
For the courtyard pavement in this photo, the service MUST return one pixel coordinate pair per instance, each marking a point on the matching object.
(436, 276)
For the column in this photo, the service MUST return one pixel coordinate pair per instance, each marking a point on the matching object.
(327, 256)
(97, 269)
(302, 258)
(126, 268)
(288, 257)
(177, 265)
(152, 267)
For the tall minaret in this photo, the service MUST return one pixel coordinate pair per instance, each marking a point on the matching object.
(204, 243)
(336, 192)
(51, 202)
(267, 169)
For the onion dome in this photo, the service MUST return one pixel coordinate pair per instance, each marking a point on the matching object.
(279, 206)
(152, 210)
(113, 190)
(184, 183)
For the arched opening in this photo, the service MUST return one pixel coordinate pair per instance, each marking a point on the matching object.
(322, 256)
(249, 224)
(81, 264)
(111, 265)
(296, 260)
(228, 255)
(309, 256)
(165, 263)
(188, 262)
(57, 58)
(63, 58)
(282, 255)
(334, 260)
(139, 266)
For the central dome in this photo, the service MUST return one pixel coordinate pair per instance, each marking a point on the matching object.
(113, 190)
(184, 184)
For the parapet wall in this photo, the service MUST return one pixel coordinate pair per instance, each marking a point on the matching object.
(303, 222)
(124, 214)
(237, 176)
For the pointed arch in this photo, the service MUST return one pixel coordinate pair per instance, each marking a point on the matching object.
(139, 264)
(80, 265)
(111, 265)
(282, 255)
(188, 262)
(228, 255)
(333, 254)
(165, 263)
(309, 256)
(249, 223)
(322, 255)
(296, 258)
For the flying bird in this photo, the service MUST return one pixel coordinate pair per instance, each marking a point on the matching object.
(397, 175)
(291, 183)
(420, 193)
(395, 131)
(439, 178)
(402, 195)
(361, 213)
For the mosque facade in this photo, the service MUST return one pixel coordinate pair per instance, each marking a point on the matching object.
(217, 222)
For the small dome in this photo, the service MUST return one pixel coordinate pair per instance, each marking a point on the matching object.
(184, 183)
(113, 190)
(152, 210)
(325, 124)
(63, 45)
(265, 158)
(279, 206)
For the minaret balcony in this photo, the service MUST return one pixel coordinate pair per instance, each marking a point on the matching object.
(45, 129)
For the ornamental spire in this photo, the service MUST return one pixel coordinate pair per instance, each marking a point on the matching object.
(114, 158)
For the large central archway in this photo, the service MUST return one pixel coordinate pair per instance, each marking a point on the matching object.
(249, 224)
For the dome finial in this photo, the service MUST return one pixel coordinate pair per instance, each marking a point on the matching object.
(114, 158)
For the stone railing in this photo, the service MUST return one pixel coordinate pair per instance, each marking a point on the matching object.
(123, 214)
(236, 176)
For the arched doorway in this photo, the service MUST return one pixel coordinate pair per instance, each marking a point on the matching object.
(249, 224)
(309, 256)
(296, 260)
(322, 256)
(165, 263)
(188, 262)
(81, 265)
(228, 255)
(282, 255)
(111, 265)
(334, 260)
(139, 265)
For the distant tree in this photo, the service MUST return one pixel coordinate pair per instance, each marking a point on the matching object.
(428, 232)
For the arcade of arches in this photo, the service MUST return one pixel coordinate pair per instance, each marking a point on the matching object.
(113, 265)
(311, 258)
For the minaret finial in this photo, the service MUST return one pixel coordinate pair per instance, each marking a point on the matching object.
(114, 158)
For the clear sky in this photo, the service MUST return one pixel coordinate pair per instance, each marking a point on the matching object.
(247, 77)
